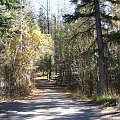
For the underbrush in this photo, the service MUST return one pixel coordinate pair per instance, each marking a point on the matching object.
(76, 94)
(103, 99)
(33, 94)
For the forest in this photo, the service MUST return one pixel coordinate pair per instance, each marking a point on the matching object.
(81, 50)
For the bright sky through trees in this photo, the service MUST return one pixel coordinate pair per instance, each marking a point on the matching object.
(54, 5)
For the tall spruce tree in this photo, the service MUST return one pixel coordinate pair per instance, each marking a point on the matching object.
(7, 15)
(91, 9)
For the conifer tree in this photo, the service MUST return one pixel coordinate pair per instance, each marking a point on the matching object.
(91, 9)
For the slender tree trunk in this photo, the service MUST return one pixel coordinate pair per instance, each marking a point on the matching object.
(48, 27)
(101, 82)
(48, 24)
(49, 69)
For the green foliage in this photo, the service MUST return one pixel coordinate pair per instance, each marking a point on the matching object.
(76, 15)
(10, 4)
(7, 17)
(21, 45)
(103, 99)
(78, 50)
(113, 36)
(42, 21)
(116, 18)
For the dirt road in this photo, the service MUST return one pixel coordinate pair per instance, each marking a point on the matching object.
(54, 105)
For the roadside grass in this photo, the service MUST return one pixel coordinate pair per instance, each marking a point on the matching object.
(102, 99)
(76, 94)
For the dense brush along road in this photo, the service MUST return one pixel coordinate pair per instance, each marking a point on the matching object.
(54, 105)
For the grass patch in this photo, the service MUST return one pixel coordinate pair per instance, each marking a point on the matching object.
(102, 99)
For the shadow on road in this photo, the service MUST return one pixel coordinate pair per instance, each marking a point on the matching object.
(52, 105)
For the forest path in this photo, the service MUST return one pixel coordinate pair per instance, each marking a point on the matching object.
(53, 105)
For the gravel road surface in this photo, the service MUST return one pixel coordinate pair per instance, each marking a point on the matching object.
(54, 105)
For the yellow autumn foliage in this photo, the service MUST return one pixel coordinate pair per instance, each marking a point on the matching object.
(34, 45)
(43, 42)
(20, 55)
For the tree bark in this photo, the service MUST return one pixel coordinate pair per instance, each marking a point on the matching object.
(101, 80)
(49, 69)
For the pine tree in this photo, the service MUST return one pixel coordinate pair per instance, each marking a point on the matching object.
(90, 9)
